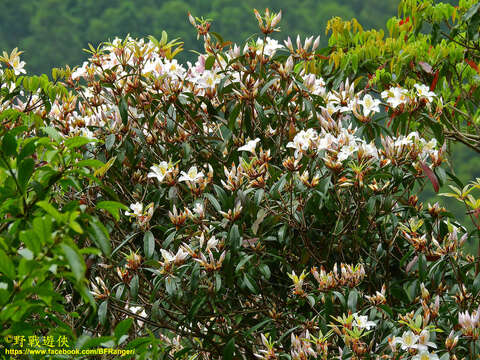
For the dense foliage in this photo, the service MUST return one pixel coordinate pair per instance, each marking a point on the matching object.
(259, 203)
(54, 32)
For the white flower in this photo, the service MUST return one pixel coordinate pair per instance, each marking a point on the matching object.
(137, 210)
(80, 72)
(303, 141)
(167, 256)
(423, 91)
(14, 62)
(361, 321)
(208, 80)
(325, 141)
(199, 210)
(347, 151)
(212, 243)
(140, 311)
(408, 340)
(173, 68)
(423, 341)
(159, 171)
(369, 149)
(270, 47)
(332, 108)
(395, 96)
(425, 355)
(315, 85)
(192, 175)
(250, 146)
(369, 105)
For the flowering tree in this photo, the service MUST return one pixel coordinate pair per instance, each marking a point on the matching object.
(255, 204)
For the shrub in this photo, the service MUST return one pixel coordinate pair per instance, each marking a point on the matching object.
(269, 211)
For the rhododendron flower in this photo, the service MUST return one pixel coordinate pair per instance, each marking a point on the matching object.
(303, 141)
(192, 175)
(137, 210)
(159, 171)
(362, 322)
(270, 47)
(408, 340)
(250, 146)
(423, 341)
(315, 85)
(425, 355)
(199, 210)
(169, 258)
(140, 311)
(80, 71)
(209, 79)
(423, 91)
(13, 61)
(395, 96)
(468, 321)
(173, 68)
(369, 104)
(346, 151)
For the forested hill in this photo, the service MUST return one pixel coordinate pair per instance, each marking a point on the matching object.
(54, 32)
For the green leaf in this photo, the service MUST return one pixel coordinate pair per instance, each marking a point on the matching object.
(134, 287)
(6, 265)
(29, 238)
(52, 133)
(213, 201)
(122, 107)
(209, 62)
(27, 149)
(103, 169)
(76, 262)
(258, 326)
(249, 283)
(9, 144)
(102, 312)
(234, 237)
(49, 209)
(242, 262)
(93, 163)
(43, 229)
(229, 349)
(123, 327)
(77, 141)
(265, 271)
(25, 171)
(109, 142)
(112, 207)
(99, 235)
(148, 244)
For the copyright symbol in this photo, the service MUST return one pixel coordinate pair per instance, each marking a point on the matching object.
(8, 338)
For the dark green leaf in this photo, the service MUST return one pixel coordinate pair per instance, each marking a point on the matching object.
(77, 141)
(75, 260)
(112, 207)
(229, 349)
(99, 235)
(25, 171)
(109, 142)
(209, 62)
(122, 107)
(102, 312)
(148, 244)
(6, 265)
(123, 327)
(9, 144)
